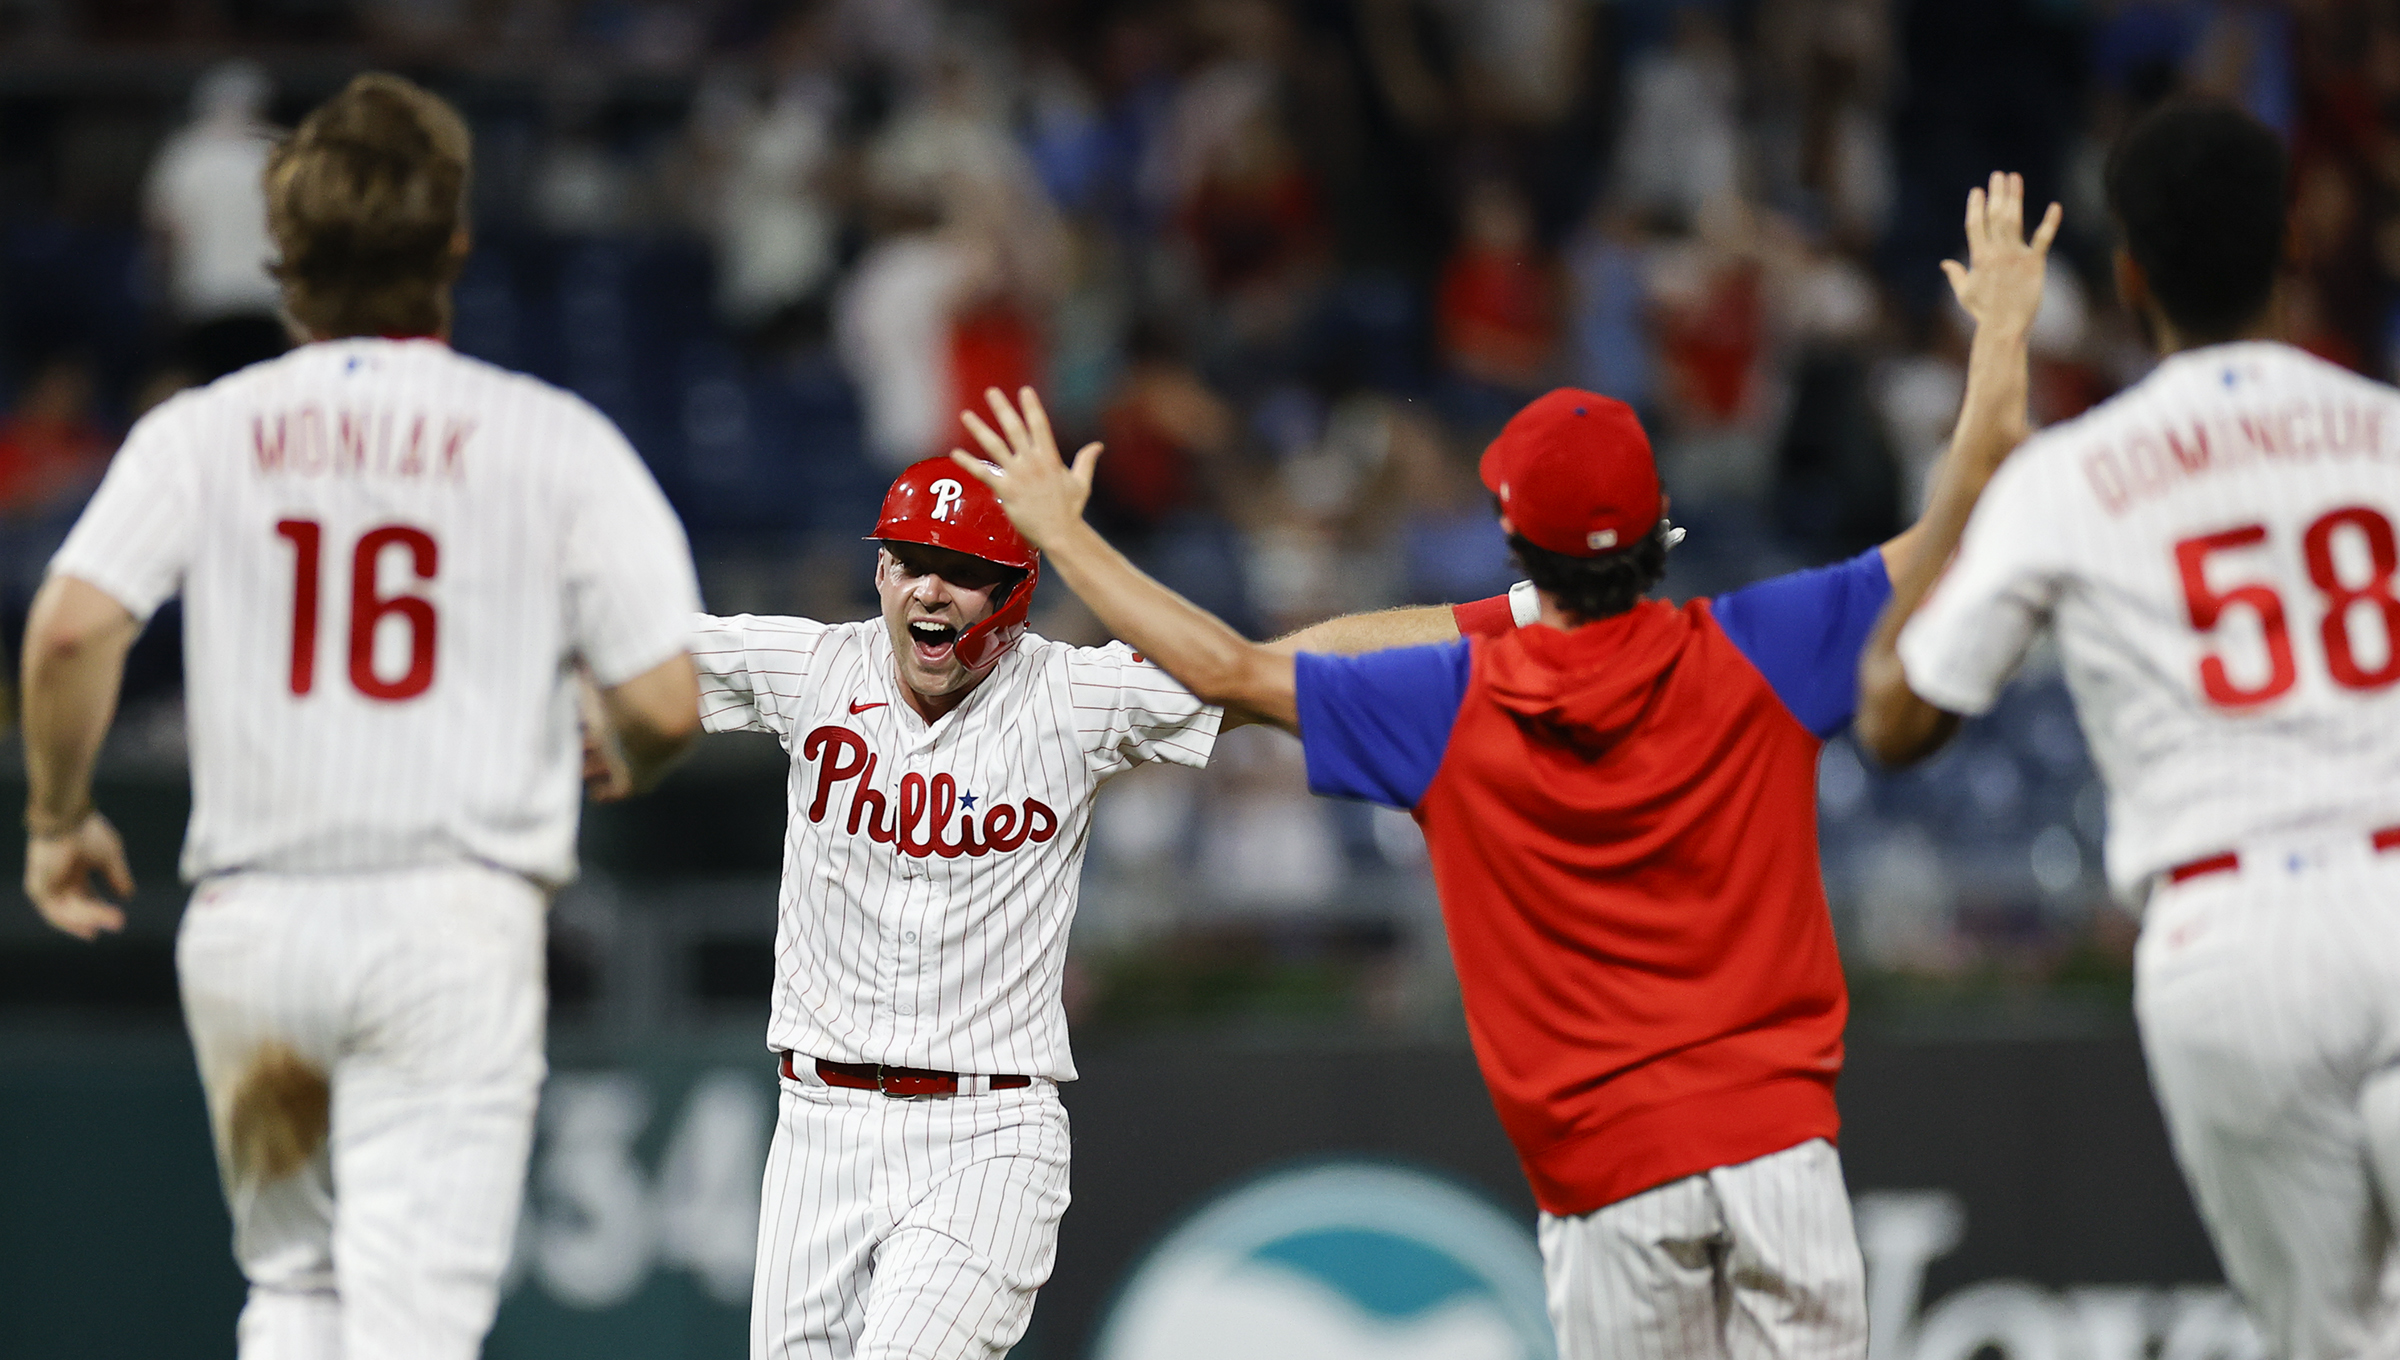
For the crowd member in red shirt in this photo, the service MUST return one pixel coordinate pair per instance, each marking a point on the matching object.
(1256, 225)
(1619, 797)
(1165, 429)
(1498, 310)
(52, 450)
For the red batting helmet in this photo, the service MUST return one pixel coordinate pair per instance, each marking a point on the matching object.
(937, 504)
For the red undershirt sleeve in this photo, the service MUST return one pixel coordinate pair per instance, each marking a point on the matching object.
(1484, 618)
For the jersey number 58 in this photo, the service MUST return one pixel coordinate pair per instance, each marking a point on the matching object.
(369, 607)
(2342, 597)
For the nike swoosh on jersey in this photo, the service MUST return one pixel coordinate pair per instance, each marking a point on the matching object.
(856, 707)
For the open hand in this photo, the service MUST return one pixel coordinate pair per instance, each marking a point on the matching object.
(2001, 283)
(58, 877)
(1043, 496)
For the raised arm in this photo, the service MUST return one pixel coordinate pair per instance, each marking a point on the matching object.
(2001, 288)
(1411, 625)
(1408, 626)
(1044, 498)
(75, 646)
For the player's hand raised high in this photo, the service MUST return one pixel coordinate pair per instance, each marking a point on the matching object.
(2001, 287)
(2001, 283)
(1043, 496)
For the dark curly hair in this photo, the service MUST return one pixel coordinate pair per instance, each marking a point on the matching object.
(2198, 188)
(1589, 588)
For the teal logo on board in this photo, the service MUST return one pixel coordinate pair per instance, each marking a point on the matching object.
(1337, 1261)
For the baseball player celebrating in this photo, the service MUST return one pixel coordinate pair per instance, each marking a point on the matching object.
(2214, 551)
(944, 762)
(1619, 800)
(393, 561)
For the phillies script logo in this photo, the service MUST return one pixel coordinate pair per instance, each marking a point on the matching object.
(919, 825)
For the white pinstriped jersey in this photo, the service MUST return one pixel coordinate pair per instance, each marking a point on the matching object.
(2215, 551)
(389, 557)
(930, 873)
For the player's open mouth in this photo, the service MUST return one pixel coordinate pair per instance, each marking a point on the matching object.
(932, 642)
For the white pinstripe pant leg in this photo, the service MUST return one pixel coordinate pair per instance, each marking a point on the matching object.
(819, 1222)
(433, 1113)
(2269, 1003)
(906, 1228)
(958, 1275)
(1638, 1279)
(1798, 1282)
(248, 976)
(1746, 1262)
(420, 995)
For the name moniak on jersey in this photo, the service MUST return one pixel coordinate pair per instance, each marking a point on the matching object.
(2150, 462)
(309, 443)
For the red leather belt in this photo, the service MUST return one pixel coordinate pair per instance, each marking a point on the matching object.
(897, 1082)
(2225, 862)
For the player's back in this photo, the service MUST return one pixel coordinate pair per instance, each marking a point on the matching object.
(389, 555)
(2224, 597)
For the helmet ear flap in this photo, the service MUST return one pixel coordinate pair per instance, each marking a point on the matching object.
(988, 641)
(1021, 587)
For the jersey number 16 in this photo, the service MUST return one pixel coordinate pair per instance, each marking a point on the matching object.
(368, 607)
(2207, 605)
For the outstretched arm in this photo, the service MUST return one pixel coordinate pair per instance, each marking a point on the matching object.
(1407, 626)
(1044, 498)
(2001, 287)
(1380, 630)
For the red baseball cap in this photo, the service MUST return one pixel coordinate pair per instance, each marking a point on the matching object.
(1574, 474)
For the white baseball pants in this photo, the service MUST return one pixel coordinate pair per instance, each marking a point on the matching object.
(418, 998)
(2269, 1001)
(906, 1228)
(1742, 1262)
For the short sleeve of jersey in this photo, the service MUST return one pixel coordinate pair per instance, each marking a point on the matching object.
(631, 591)
(1973, 627)
(1129, 712)
(752, 669)
(1376, 726)
(1804, 633)
(135, 539)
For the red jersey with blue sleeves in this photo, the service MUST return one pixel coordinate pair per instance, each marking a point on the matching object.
(1622, 821)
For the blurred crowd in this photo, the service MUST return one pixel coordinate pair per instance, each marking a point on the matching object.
(1293, 260)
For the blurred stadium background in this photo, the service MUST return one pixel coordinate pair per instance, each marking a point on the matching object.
(1294, 260)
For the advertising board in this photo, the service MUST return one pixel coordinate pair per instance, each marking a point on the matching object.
(1264, 1200)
